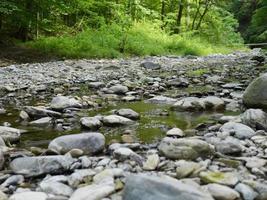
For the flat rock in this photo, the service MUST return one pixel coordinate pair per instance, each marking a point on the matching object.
(89, 143)
(240, 131)
(184, 148)
(11, 134)
(128, 113)
(116, 120)
(162, 100)
(222, 192)
(62, 102)
(35, 166)
(29, 196)
(140, 187)
(224, 178)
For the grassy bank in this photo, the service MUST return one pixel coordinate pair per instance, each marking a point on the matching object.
(139, 40)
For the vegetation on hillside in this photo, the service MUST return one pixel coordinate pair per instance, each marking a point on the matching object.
(113, 28)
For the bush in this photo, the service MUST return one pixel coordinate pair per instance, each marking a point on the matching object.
(111, 41)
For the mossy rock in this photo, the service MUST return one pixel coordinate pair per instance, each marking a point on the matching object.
(227, 178)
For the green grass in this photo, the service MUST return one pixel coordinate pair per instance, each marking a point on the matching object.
(111, 42)
(198, 72)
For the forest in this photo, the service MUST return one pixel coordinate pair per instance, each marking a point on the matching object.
(114, 28)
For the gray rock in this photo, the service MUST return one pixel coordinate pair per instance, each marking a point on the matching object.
(221, 192)
(39, 112)
(2, 111)
(161, 100)
(213, 103)
(255, 96)
(89, 143)
(240, 131)
(188, 104)
(178, 82)
(246, 191)
(93, 192)
(184, 148)
(11, 134)
(229, 146)
(45, 121)
(91, 123)
(62, 102)
(96, 85)
(56, 188)
(224, 178)
(35, 166)
(150, 65)
(255, 118)
(116, 120)
(80, 176)
(13, 180)
(140, 187)
(124, 153)
(128, 113)
(186, 169)
(260, 187)
(175, 132)
(29, 196)
(119, 89)
(152, 162)
(2, 159)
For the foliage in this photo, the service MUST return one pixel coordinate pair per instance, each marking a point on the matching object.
(111, 41)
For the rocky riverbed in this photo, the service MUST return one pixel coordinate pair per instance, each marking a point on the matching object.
(162, 128)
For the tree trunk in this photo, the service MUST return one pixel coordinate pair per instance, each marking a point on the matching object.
(207, 4)
(162, 10)
(196, 15)
(188, 15)
(179, 17)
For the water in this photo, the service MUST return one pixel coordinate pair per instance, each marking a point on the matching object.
(154, 121)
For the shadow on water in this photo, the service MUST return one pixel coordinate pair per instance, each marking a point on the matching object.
(154, 122)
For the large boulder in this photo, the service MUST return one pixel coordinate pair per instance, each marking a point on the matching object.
(128, 113)
(89, 143)
(35, 166)
(255, 118)
(62, 102)
(255, 95)
(184, 148)
(140, 187)
(11, 134)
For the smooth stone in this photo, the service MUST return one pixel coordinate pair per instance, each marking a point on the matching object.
(224, 178)
(35, 166)
(62, 102)
(80, 176)
(89, 143)
(229, 146)
(188, 104)
(186, 169)
(128, 113)
(56, 188)
(260, 187)
(3, 196)
(213, 103)
(107, 175)
(96, 85)
(175, 132)
(150, 65)
(91, 123)
(119, 89)
(40, 112)
(240, 131)
(116, 120)
(184, 148)
(29, 196)
(246, 191)
(162, 100)
(11, 134)
(124, 153)
(93, 192)
(255, 95)
(13, 180)
(45, 121)
(2, 159)
(152, 162)
(140, 187)
(221, 192)
(255, 118)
